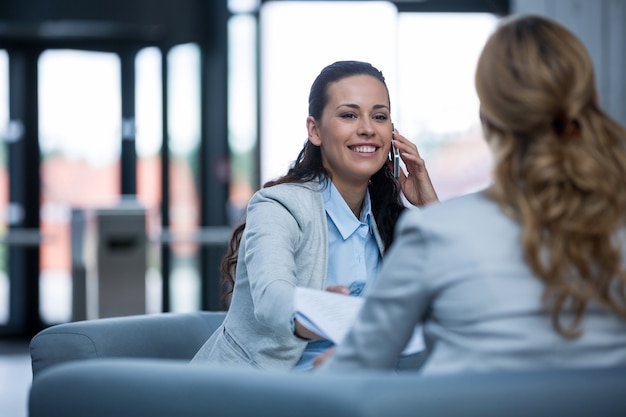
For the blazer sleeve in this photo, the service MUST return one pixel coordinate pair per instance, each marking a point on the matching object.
(272, 237)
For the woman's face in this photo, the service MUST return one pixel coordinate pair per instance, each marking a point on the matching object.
(354, 133)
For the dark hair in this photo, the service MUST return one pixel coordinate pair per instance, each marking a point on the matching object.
(384, 188)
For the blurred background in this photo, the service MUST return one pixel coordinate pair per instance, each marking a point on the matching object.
(133, 132)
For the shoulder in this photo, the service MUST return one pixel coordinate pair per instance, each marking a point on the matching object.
(458, 239)
(468, 212)
(471, 227)
(302, 195)
(290, 191)
(468, 203)
(301, 200)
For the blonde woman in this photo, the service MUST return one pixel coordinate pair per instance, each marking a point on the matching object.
(529, 273)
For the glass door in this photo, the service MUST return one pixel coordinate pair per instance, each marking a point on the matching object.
(79, 140)
(184, 122)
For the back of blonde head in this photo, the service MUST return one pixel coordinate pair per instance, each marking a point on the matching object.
(560, 164)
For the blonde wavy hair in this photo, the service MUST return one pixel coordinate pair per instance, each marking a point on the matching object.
(559, 164)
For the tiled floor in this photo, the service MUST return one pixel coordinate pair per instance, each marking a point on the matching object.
(15, 378)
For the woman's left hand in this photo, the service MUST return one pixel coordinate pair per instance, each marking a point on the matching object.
(322, 357)
(416, 186)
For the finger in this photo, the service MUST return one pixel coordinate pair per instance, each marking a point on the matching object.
(406, 147)
(338, 289)
(414, 160)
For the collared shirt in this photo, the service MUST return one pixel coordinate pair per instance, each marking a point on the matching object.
(353, 255)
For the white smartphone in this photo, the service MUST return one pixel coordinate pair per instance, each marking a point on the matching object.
(394, 156)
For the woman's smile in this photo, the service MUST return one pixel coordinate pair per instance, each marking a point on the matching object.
(363, 149)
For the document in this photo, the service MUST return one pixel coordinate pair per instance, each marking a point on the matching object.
(331, 315)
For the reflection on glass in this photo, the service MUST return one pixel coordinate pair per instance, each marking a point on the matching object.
(79, 126)
(184, 139)
(4, 186)
(149, 141)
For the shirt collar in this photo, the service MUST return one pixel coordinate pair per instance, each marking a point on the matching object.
(339, 212)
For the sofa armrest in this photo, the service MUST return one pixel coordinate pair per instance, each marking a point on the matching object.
(163, 336)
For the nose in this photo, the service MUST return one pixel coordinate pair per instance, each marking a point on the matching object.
(365, 127)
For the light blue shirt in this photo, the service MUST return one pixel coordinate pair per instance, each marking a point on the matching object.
(353, 252)
(354, 257)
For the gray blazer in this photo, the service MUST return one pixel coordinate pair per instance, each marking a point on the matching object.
(284, 245)
(458, 268)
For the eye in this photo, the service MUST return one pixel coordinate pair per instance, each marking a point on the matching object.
(348, 116)
(381, 117)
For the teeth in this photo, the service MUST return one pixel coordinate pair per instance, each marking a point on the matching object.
(365, 149)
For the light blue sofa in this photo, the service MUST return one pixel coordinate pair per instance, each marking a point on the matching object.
(156, 336)
(138, 366)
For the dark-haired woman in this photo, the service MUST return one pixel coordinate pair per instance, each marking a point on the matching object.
(324, 225)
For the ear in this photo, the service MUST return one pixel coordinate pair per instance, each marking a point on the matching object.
(313, 131)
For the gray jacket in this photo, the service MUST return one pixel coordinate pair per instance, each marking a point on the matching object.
(457, 267)
(284, 245)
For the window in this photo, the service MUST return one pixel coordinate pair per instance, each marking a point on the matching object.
(184, 140)
(149, 143)
(437, 106)
(79, 127)
(242, 113)
(428, 60)
(4, 186)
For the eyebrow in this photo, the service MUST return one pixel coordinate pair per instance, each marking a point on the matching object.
(356, 106)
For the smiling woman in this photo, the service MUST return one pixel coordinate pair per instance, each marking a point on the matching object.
(323, 225)
(297, 39)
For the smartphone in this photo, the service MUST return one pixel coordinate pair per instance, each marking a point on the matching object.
(394, 156)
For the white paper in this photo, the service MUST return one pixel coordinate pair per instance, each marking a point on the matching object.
(331, 316)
